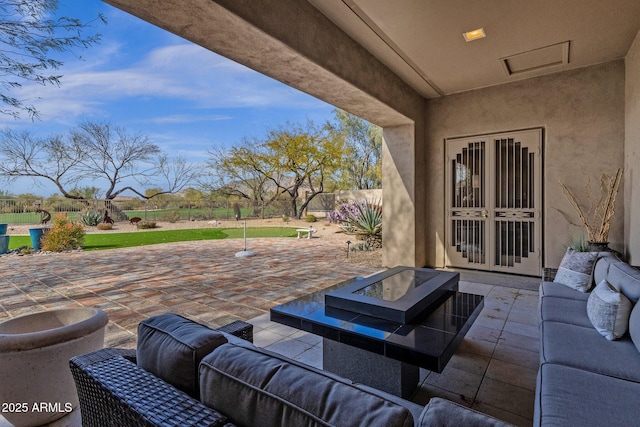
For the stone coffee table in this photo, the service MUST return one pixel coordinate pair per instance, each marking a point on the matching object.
(379, 330)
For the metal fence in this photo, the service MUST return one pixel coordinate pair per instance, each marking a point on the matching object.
(33, 211)
(20, 210)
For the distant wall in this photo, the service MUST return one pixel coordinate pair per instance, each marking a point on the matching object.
(324, 203)
(356, 195)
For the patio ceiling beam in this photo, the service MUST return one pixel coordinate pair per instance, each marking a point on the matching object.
(290, 41)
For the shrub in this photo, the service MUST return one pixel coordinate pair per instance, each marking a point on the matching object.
(91, 218)
(364, 219)
(344, 211)
(199, 217)
(173, 216)
(104, 226)
(63, 236)
(25, 250)
(311, 218)
(143, 225)
(361, 247)
(335, 217)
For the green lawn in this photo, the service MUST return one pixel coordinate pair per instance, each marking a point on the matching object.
(142, 238)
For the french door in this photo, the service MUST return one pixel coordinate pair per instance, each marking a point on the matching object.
(494, 202)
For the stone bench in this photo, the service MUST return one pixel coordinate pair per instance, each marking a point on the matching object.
(309, 231)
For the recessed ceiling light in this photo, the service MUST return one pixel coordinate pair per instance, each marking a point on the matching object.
(474, 35)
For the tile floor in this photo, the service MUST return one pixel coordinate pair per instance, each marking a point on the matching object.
(492, 371)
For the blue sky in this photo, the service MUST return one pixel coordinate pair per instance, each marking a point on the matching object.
(185, 98)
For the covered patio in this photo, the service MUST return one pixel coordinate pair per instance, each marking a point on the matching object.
(399, 68)
(493, 370)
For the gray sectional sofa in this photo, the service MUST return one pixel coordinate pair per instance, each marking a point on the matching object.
(184, 373)
(585, 379)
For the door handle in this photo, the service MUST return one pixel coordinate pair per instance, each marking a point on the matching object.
(485, 214)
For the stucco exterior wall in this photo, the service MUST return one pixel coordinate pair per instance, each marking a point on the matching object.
(582, 114)
(632, 153)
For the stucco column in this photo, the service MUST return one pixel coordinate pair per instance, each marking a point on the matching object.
(403, 227)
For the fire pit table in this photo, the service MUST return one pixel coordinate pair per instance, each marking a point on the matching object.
(379, 330)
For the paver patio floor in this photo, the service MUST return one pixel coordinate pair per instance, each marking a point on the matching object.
(492, 371)
(201, 280)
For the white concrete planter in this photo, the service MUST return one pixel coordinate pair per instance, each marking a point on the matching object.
(36, 386)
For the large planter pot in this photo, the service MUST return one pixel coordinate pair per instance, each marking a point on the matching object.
(34, 361)
(36, 235)
(599, 246)
(4, 243)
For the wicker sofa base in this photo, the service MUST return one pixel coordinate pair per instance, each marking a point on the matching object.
(114, 391)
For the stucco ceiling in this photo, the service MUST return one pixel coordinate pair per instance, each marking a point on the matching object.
(421, 40)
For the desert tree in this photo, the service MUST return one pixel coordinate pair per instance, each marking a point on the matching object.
(107, 156)
(87, 192)
(240, 171)
(30, 38)
(362, 168)
(291, 158)
(193, 197)
(302, 156)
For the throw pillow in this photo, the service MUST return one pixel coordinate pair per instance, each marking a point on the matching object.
(609, 311)
(576, 270)
(171, 347)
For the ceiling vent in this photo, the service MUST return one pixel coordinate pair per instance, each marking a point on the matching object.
(537, 59)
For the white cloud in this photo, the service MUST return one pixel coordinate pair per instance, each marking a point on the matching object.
(186, 118)
(184, 73)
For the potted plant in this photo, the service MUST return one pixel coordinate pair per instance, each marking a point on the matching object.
(596, 216)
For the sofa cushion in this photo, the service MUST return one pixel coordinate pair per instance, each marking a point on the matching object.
(584, 348)
(278, 392)
(626, 279)
(171, 347)
(634, 325)
(566, 396)
(573, 312)
(609, 311)
(601, 269)
(551, 289)
(443, 413)
(576, 270)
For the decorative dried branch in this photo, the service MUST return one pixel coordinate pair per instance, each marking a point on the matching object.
(597, 219)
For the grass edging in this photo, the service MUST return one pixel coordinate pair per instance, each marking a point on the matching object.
(115, 240)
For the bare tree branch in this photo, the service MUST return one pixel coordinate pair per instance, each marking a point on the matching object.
(95, 152)
(28, 40)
